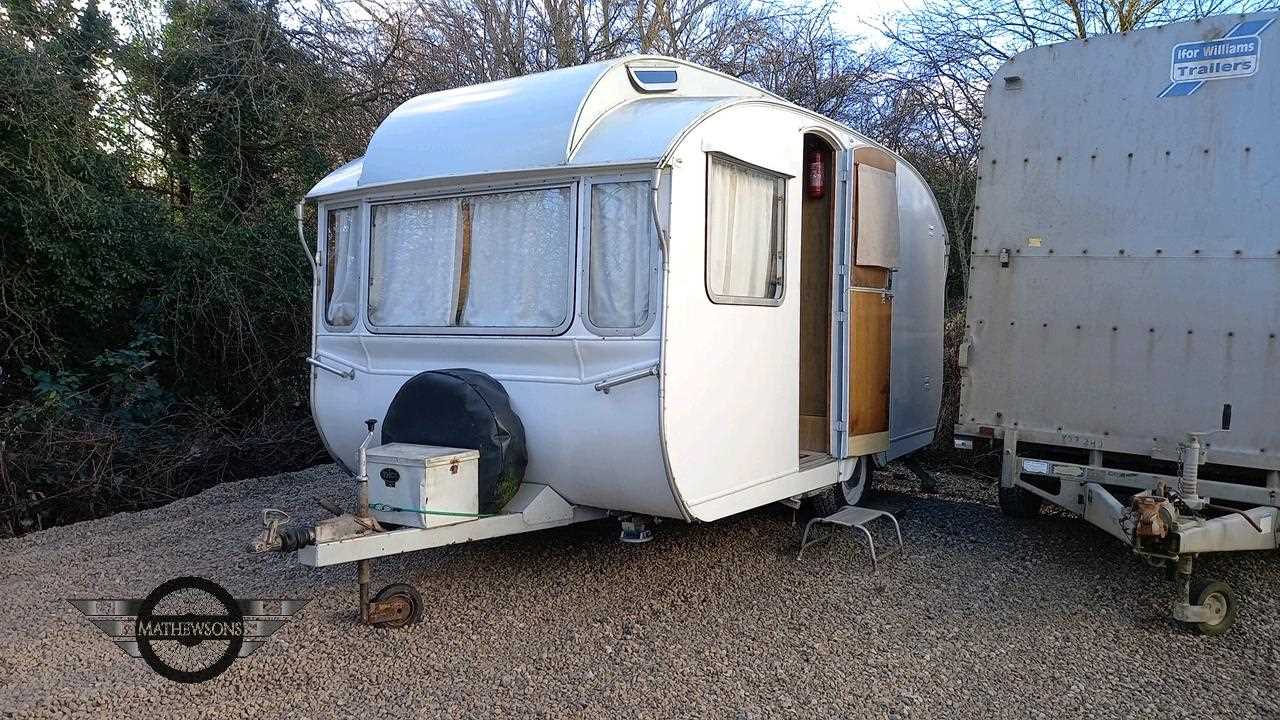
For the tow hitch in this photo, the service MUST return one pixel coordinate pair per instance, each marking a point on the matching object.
(393, 606)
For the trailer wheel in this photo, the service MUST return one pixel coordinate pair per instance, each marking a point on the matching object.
(1218, 600)
(1017, 502)
(406, 602)
(846, 492)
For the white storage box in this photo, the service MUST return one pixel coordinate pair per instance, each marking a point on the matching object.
(426, 477)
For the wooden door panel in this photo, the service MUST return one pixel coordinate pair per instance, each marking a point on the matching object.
(871, 334)
(874, 241)
(870, 277)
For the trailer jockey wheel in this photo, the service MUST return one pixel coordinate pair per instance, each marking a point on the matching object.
(395, 606)
(1219, 604)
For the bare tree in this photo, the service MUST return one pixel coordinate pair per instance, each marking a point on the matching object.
(922, 96)
(389, 50)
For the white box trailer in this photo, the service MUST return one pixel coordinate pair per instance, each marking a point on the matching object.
(1124, 290)
(696, 297)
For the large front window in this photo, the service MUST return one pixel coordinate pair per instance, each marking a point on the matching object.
(502, 260)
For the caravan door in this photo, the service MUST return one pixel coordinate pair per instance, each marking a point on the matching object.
(730, 366)
(869, 294)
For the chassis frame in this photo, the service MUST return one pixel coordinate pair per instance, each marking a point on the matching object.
(1086, 489)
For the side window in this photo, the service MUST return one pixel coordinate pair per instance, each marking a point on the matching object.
(494, 261)
(620, 270)
(745, 252)
(415, 254)
(342, 268)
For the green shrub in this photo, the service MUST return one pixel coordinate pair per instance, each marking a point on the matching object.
(153, 299)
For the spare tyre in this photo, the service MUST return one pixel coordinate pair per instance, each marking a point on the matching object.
(463, 408)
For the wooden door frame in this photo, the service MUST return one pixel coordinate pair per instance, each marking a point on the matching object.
(815, 430)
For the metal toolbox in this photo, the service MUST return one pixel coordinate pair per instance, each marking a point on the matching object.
(423, 477)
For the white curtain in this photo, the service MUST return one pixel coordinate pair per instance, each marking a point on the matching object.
(740, 230)
(414, 269)
(520, 274)
(344, 268)
(622, 240)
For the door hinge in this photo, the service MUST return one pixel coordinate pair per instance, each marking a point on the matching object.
(839, 426)
(842, 270)
(841, 315)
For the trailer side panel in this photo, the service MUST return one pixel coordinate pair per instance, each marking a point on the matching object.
(1125, 276)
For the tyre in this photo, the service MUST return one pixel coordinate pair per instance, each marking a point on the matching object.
(463, 408)
(846, 492)
(407, 604)
(1220, 603)
(1018, 502)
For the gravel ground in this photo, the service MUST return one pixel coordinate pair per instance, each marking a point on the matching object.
(981, 617)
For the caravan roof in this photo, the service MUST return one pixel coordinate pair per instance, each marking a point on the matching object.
(624, 111)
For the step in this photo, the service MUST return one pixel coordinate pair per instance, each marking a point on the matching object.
(851, 516)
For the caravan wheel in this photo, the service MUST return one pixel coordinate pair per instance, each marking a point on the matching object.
(845, 492)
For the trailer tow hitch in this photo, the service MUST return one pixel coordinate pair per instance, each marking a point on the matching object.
(275, 537)
(393, 606)
(270, 540)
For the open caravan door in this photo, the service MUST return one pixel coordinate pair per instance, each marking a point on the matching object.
(730, 404)
(869, 297)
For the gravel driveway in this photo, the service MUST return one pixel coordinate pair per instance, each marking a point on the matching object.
(982, 617)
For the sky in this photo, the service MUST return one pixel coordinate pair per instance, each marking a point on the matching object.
(860, 17)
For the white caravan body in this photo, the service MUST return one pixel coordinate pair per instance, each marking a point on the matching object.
(644, 387)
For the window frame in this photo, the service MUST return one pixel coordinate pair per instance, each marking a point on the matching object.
(655, 259)
(358, 235)
(779, 230)
(571, 262)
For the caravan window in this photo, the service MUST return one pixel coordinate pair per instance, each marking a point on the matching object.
(621, 264)
(745, 250)
(502, 260)
(342, 267)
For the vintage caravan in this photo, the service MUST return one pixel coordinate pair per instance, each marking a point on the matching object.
(1121, 346)
(675, 294)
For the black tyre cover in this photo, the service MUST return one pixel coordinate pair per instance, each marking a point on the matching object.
(464, 409)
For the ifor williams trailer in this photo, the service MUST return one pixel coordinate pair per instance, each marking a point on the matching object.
(1124, 292)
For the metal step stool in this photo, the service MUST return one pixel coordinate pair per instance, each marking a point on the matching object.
(851, 517)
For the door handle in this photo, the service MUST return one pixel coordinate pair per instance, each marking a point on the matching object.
(885, 294)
